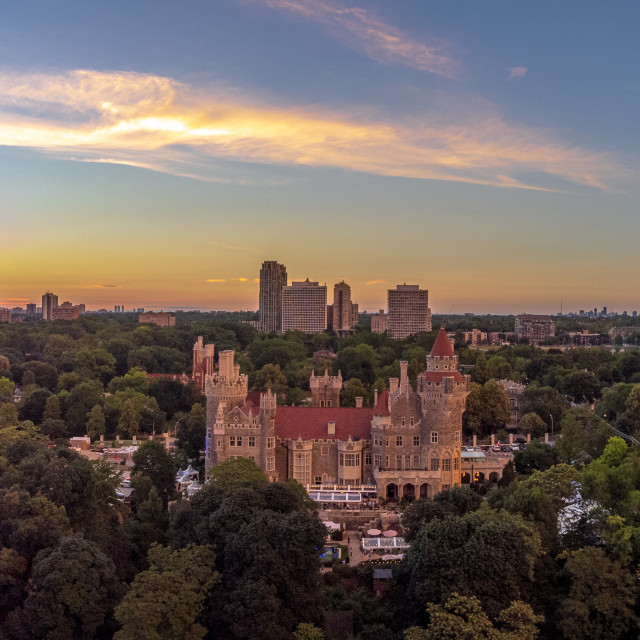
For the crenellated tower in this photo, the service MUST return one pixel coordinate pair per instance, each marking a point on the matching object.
(325, 390)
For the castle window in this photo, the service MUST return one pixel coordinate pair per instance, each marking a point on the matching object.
(403, 421)
(416, 441)
(435, 464)
(398, 441)
(318, 479)
(407, 462)
(446, 487)
(271, 442)
(377, 460)
(434, 437)
(219, 445)
(367, 458)
(457, 436)
(239, 441)
(252, 458)
(415, 464)
(302, 467)
(455, 463)
(329, 403)
(324, 451)
(386, 442)
(252, 441)
(412, 421)
(446, 464)
(232, 441)
(271, 464)
(398, 462)
(386, 462)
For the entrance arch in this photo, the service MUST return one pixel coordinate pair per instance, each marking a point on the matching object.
(425, 490)
(409, 491)
(493, 476)
(392, 491)
(479, 477)
(466, 478)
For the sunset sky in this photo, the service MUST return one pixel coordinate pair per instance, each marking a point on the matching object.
(153, 153)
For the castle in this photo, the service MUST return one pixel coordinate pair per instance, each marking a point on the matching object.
(408, 444)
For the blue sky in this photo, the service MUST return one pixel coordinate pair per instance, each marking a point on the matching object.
(487, 151)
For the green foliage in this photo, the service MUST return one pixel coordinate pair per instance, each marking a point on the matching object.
(95, 422)
(532, 423)
(236, 473)
(351, 390)
(460, 554)
(487, 408)
(271, 377)
(191, 431)
(153, 461)
(535, 456)
(601, 599)
(584, 436)
(73, 590)
(6, 390)
(308, 631)
(184, 579)
(8, 415)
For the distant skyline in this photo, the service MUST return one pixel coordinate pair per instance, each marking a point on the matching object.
(153, 154)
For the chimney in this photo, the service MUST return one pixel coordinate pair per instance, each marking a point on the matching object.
(359, 402)
(375, 397)
(404, 378)
(331, 428)
(393, 385)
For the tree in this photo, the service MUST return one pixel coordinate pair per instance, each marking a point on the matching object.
(583, 435)
(460, 554)
(463, 618)
(153, 460)
(191, 431)
(73, 588)
(536, 456)
(487, 408)
(271, 377)
(532, 423)
(352, 389)
(235, 473)
(95, 422)
(129, 421)
(8, 415)
(480, 373)
(308, 631)
(184, 579)
(33, 405)
(81, 399)
(52, 409)
(599, 605)
(6, 390)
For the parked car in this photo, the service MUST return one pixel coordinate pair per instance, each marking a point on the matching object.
(125, 482)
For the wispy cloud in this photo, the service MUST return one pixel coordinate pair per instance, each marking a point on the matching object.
(107, 286)
(166, 126)
(517, 72)
(370, 282)
(238, 279)
(363, 31)
(216, 280)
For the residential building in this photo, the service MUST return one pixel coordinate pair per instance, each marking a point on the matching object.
(66, 311)
(535, 328)
(304, 307)
(344, 314)
(409, 312)
(409, 444)
(475, 337)
(379, 322)
(49, 302)
(161, 319)
(5, 315)
(273, 279)
(515, 393)
(31, 309)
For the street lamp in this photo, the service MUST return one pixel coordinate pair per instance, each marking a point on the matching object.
(551, 427)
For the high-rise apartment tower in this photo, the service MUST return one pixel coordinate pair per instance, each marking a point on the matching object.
(273, 278)
(345, 313)
(304, 307)
(409, 311)
(49, 302)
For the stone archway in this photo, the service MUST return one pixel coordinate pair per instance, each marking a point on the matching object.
(392, 491)
(493, 476)
(466, 478)
(409, 491)
(425, 490)
(479, 477)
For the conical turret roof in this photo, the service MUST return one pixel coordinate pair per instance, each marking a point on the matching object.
(442, 347)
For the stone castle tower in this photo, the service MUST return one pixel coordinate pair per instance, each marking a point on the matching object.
(325, 390)
(416, 436)
(203, 364)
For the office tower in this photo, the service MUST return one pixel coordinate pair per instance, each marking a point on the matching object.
(344, 312)
(273, 277)
(409, 311)
(49, 302)
(304, 307)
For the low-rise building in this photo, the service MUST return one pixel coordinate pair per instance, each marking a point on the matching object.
(160, 319)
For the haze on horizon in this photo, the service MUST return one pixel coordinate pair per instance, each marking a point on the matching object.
(155, 154)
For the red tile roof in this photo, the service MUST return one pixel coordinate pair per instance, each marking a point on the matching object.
(436, 376)
(442, 347)
(382, 407)
(310, 423)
